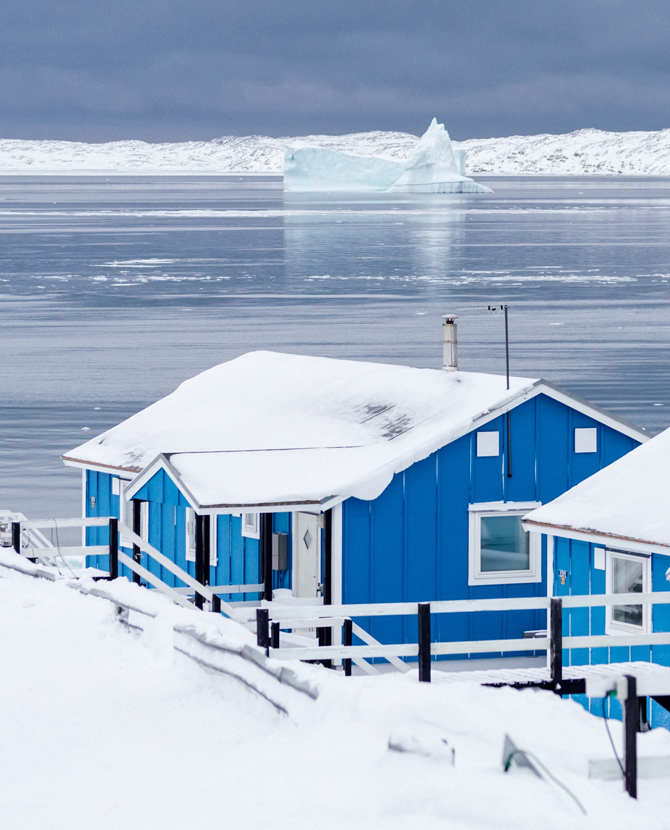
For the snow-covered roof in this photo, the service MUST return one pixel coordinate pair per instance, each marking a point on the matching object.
(271, 428)
(628, 500)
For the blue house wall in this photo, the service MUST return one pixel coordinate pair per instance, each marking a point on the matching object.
(577, 560)
(412, 542)
(238, 560)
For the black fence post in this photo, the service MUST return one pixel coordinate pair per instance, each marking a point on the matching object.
(556, 642)
(113, 548)
(262, 628)
(631, 726)
(216, 604)
(274, 635)
(137, 528)
(324, 637)
(16, 536)
(266, 554)
(199, 557)
(424, 642)
(347, 636)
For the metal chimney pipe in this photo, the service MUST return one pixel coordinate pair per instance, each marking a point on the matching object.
(449, 343)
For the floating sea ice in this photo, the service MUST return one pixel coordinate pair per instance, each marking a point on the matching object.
(434, 167)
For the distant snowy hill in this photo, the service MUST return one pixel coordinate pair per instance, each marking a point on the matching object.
(582, 152)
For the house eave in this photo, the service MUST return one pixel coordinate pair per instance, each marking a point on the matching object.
(595, 536)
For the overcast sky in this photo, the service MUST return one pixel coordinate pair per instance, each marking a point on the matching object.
(168, 70)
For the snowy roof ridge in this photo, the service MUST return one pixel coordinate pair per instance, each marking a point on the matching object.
(626, 501)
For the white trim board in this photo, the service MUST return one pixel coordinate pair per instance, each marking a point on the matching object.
(596, 538)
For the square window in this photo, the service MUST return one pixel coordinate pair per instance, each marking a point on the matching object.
(501, 551)
(251, 525)
(586, 439)
(627, 574)
(488, 444)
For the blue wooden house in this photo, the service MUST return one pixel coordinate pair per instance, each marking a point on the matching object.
(350, 482)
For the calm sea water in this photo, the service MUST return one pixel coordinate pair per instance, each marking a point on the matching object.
(114, 290)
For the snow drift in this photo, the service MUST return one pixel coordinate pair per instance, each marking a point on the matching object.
(432, 167)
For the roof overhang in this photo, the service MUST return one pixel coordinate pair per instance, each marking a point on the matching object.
(124, 472)
(597, 537)
(162, 462)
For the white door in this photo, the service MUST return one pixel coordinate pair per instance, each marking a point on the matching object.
(306, 555)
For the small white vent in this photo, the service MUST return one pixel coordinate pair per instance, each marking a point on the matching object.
(488, 444)
(586, 439)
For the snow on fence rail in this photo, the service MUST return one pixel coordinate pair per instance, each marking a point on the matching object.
(200, 591)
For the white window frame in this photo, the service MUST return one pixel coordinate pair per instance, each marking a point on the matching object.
(252, 530)
(213, 539)
(475, 574)
(189, 534)
(615, 626)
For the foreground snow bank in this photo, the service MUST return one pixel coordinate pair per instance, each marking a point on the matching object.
(103, 728)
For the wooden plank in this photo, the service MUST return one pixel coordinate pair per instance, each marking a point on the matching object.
(370, 640)
(226, 589)
(152, 579)
(484, 646)
(352, 652)
(203, 590)
(87, 550)
(596, 600)
(598, 640)
(59, 524)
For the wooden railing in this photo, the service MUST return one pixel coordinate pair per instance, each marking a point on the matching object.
(117, 531)
(271, 620)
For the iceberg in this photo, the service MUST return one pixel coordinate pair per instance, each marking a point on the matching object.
(316, 168)
(432, 167)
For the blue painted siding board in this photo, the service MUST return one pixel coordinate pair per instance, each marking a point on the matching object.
(583, 465)
(487, 473)
(356, 584)
(552, 448)
(579, 585)
(521, 486)
(614, 445)
(598, 586)
(388, 565)
(236, 556)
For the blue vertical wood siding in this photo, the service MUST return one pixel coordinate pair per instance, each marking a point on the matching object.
(412, 542)
(577, 559)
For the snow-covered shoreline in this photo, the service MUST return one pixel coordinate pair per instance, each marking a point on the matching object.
(585, 152)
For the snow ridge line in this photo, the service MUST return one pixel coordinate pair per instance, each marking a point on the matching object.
(268, 678)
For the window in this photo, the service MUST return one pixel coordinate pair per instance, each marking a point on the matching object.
(501, 551)
(627, 573)
(586, 440)
(250, 525)
(488, 444)
(190, 534)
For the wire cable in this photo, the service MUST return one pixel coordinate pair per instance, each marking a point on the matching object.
(544, 769)
(609, 734)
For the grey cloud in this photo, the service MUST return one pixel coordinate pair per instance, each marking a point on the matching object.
(172, 70)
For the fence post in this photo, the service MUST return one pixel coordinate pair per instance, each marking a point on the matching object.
(266, 554)
(113, 548)
(274, 635)
(262, 628)
(324, 638)
(216, 604)
(137, 528)
(347, 636)
(199, 557)
(556, 642)
(424, 642)
(631, 725)
(16, 537)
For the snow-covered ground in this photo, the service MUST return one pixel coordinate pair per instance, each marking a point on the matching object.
(103, 727)
(583, 152)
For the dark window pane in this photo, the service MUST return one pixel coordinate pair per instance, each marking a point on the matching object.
(504, 544)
